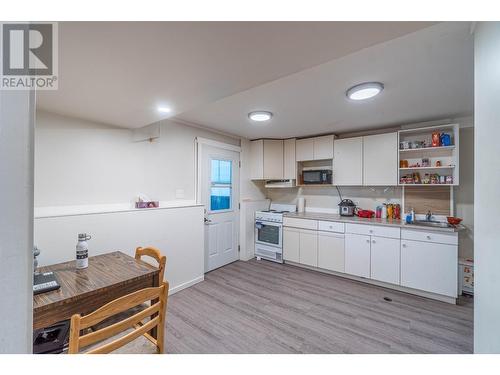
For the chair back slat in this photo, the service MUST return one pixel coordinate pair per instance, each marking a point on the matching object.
(119, 305)
(154, 253)
(156, 312)
(119, 342)
(107, 332)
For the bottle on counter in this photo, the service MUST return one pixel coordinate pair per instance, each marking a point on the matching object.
(384, 211)
(82, 251)
(390, 210)
(412, 215)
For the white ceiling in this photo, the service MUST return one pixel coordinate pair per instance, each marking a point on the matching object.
(118, 72)
(427, 75)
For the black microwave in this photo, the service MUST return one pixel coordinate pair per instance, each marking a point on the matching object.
(319, 176)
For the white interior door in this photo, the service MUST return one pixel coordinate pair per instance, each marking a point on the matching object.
(219, 192)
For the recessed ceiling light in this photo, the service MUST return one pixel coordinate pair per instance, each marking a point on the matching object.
(364, 91)
(163, 109)
(260, 116)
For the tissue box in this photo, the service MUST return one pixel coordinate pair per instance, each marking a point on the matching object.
(151, 204)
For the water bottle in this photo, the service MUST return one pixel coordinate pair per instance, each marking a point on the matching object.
(82, 251)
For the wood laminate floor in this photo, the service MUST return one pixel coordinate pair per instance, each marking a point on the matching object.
(264, 307)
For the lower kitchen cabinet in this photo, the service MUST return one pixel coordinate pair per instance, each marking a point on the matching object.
(385, 259)
(291, 244)
(308, 251)
(429, 266)
(331, 254)
(357, 254)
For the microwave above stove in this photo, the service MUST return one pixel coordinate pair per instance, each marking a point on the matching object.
(317, 176)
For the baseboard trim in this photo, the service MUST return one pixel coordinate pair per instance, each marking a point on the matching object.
(185, 285)
(420, 293)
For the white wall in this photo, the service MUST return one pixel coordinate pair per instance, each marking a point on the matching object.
(83, 163)
(16, 220)
(252, 198)
(464, 193)
(486, 192)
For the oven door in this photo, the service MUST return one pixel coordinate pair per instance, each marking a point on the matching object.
(268, 233)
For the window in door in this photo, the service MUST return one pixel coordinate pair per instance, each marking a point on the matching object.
(221, 185)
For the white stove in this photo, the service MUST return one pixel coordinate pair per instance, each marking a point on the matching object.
(269, 232)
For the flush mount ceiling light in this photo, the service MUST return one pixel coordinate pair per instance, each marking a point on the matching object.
(163, 109)
(260, 116)
(364, 90)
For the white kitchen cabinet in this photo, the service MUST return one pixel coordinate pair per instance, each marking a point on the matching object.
(380, 159)
(323, 147)
(429, 266)
(266, 159)
(289, 163)
(357, 255)
(291, 243)
(308, 244)
(331, 251)
(385, 259)
(348, 161)
(273, 159)
(304, 149)
(257, 159)
(317, 148)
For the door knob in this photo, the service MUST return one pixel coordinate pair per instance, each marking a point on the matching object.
(207, 220)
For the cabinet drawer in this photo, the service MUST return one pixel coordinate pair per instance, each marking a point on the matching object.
(300, 223)
(373, 230)
(426, 236)
(331, 226)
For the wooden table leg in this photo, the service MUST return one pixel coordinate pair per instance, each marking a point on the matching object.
(156, 283)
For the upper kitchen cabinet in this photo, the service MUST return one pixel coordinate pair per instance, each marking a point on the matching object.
(380, 159)
(317, 148)
(289, 163)
(273, 159)
(304, 149)
(348, 161)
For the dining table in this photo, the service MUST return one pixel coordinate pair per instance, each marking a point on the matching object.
(107, 277)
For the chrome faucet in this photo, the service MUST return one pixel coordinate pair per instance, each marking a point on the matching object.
(428, 217)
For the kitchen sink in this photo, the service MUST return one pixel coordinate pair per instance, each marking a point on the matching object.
(431, 223)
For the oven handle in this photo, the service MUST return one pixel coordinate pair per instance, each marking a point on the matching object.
(258, 225)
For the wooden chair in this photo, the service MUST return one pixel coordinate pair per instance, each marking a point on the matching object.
(154, 253)
(156, 312)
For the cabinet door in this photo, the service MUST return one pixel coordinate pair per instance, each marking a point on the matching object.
(331, 251)
(348, 161)
(380, 159)
(290, 165)
(304, 149)
(323, 147)
(291, 244)
(308, 254)
(357, 255)
(257, 159)
(273, 159)
(385, 259)
(429, 266)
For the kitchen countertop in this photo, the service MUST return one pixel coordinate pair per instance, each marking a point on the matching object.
(372, 221)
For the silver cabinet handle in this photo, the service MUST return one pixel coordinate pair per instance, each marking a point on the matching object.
(428, 237)
(367, 241)
(404, 245)
(373, 241)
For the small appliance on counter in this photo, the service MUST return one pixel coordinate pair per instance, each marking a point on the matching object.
(346, 207)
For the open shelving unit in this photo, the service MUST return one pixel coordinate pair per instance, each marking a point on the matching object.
(446, 155)
(313, 164)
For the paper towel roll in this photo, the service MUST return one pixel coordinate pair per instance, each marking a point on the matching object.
(301, 204)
